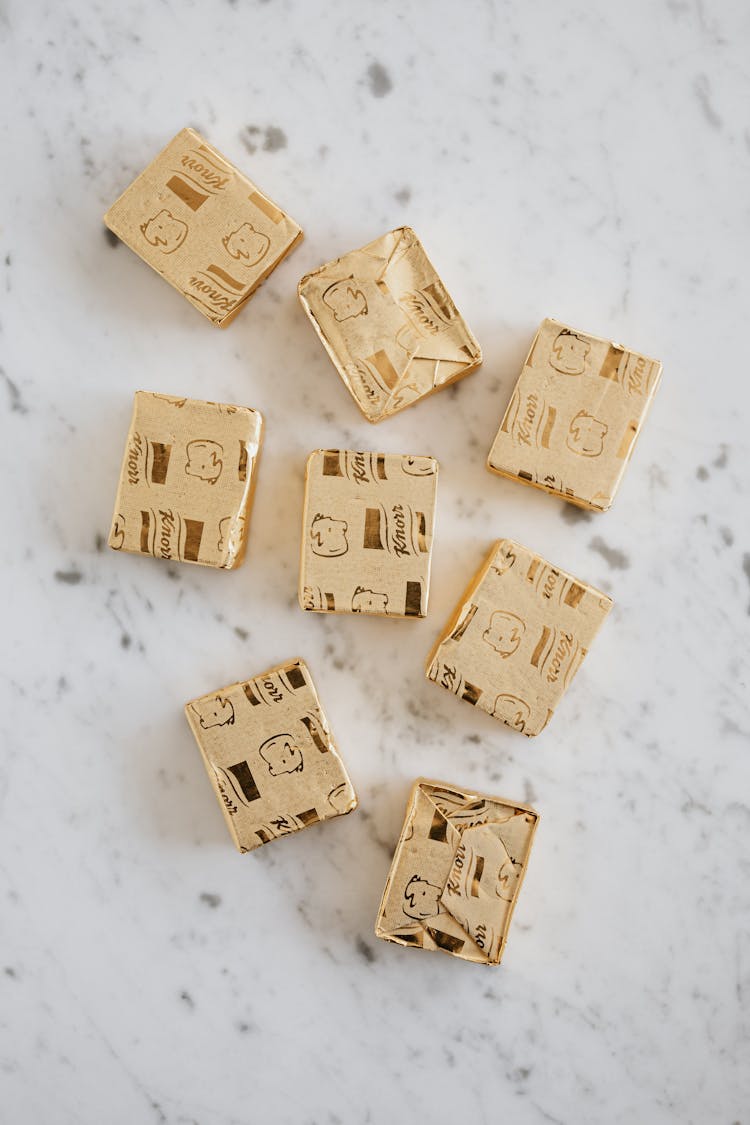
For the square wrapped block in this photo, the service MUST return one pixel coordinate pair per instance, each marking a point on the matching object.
(187, 480)
(574, 416)
(457, 872)
(518, 637)
(388, 323)
(270, 755)
(367, 533)
(207, 229)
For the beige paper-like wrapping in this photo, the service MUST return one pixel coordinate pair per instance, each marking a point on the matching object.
(367, 532)
(187, 480)
(270, 755)
(574, 416)
(207, 229)
(518, 637)
(388, 323)
(457, 872)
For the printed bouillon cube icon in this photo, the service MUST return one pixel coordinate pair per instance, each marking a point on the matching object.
(574, 416)
(270, 755)
(457, 872)
(518, 637)
(388, 324)
(207, 229)
(367, 533)
(187, 480)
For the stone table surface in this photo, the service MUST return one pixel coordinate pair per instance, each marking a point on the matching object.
(587, 162)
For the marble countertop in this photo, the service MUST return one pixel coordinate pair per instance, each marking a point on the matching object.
(588, 163)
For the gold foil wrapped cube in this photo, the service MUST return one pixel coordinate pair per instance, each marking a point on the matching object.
(270, 755)
(518, 637)
(207, 229)
(367, 533)
(187, 480)
(574, 416)
(388, 323)
(457, 872)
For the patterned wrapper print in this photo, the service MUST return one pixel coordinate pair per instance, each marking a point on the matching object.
(517, 638)
(388, 324)
(207, 229)
(574, 416)
(456, 872)
(270, 755)
(367, 531)
(187, 480)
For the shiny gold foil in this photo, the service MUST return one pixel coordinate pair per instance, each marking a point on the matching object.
(457, 872)
(270, 756)
(518, 637)
(207, 229)
(388, 323)
(187, 480)
(574, 416)
(367, 533)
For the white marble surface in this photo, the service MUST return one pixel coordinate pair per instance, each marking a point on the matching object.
(588, 162)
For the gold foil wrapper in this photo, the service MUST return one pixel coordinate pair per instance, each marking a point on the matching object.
(367, 533)
(388, 323)
(518, 637)
(457, 872)
(574, 416)
(207, 229)
(270, 755)
(187, 480)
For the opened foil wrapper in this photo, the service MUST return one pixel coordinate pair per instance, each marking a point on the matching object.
(457, 872)
(389, 324)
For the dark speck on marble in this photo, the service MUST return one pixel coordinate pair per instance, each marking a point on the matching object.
(69, 577)
(364, 950)
(273, 138)
(86, 159)
(17, 405)
(571, 514)
(613, 556)
(702, 91)
(210, 899)
(702, 472)
(379, 80)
